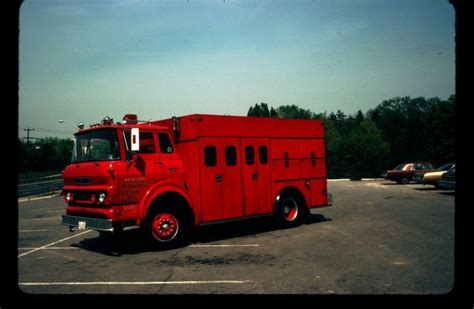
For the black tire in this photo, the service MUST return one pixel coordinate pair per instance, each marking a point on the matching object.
(166, 225)
(405, 181)
(290, 210)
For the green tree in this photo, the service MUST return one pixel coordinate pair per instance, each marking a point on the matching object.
(440, 124)
(45, 154)
(403, 123)
(293, 112)
(353, 149)
(260, 110)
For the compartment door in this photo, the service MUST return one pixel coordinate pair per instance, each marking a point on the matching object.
(210, 179)
(256, 176)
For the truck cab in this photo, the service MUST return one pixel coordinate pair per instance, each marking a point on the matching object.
(115, 169)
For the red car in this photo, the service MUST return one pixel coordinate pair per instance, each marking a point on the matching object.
(404, 172)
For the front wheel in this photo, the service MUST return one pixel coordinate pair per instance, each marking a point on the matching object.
(166, 227)
(290, 210)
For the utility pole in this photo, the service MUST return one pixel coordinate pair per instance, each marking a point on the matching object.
(28, 129)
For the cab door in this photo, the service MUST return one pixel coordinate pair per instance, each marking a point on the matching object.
(141, 173)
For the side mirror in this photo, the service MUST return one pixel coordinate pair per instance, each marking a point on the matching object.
(135, 139)
(132, 156)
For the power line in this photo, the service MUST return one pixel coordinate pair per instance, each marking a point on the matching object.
(51, 131)
(55, 131)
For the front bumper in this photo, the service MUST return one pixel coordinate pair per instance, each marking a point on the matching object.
(82, 223)
(103, 225)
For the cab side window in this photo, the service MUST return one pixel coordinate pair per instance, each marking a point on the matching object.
(147, 143)
(165, 143)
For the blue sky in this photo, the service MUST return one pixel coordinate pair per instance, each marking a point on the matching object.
(83, 60)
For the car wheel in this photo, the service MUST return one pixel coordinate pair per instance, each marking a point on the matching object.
(404, 181)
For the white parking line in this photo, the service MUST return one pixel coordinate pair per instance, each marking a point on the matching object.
(135, 282)
(50, 248)
(222, 246)
(53, 243)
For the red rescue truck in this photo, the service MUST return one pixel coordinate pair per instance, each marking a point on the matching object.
(167, 176)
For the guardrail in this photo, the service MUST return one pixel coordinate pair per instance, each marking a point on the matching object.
(40, 187)
(40, 179)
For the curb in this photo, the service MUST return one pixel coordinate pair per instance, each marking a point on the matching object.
(35, 198)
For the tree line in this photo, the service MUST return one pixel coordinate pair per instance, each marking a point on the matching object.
(45, 154)
(401, 129)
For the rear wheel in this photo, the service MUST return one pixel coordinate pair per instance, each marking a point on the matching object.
(166, 226)
(404, 181)
(290, 210)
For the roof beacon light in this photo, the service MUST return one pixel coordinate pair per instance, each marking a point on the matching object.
(130, 118)
(107, 121)
(81, 125)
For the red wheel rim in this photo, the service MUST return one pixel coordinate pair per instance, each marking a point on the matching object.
(290, 209)
(164, 227)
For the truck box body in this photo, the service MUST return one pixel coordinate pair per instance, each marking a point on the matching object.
(270, 154)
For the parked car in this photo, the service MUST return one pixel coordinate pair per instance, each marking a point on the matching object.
(448, 180)
(432, 178)
(404, 172)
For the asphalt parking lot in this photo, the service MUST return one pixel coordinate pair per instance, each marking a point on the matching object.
(377, 238)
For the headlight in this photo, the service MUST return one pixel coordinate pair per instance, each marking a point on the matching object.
(69, 196)
(102, 196)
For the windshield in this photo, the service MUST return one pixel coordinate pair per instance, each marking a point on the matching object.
(399, 167)
(97, 145)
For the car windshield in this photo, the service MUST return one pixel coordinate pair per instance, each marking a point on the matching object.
(400, 166)
(96, 145)
(444, 167)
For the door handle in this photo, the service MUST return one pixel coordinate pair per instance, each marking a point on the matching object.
(254, 175)
(218, 178)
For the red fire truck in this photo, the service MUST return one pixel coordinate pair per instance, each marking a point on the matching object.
(167, 176)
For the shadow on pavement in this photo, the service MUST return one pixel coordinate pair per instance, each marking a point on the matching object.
(132, 241)
(449, 193)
